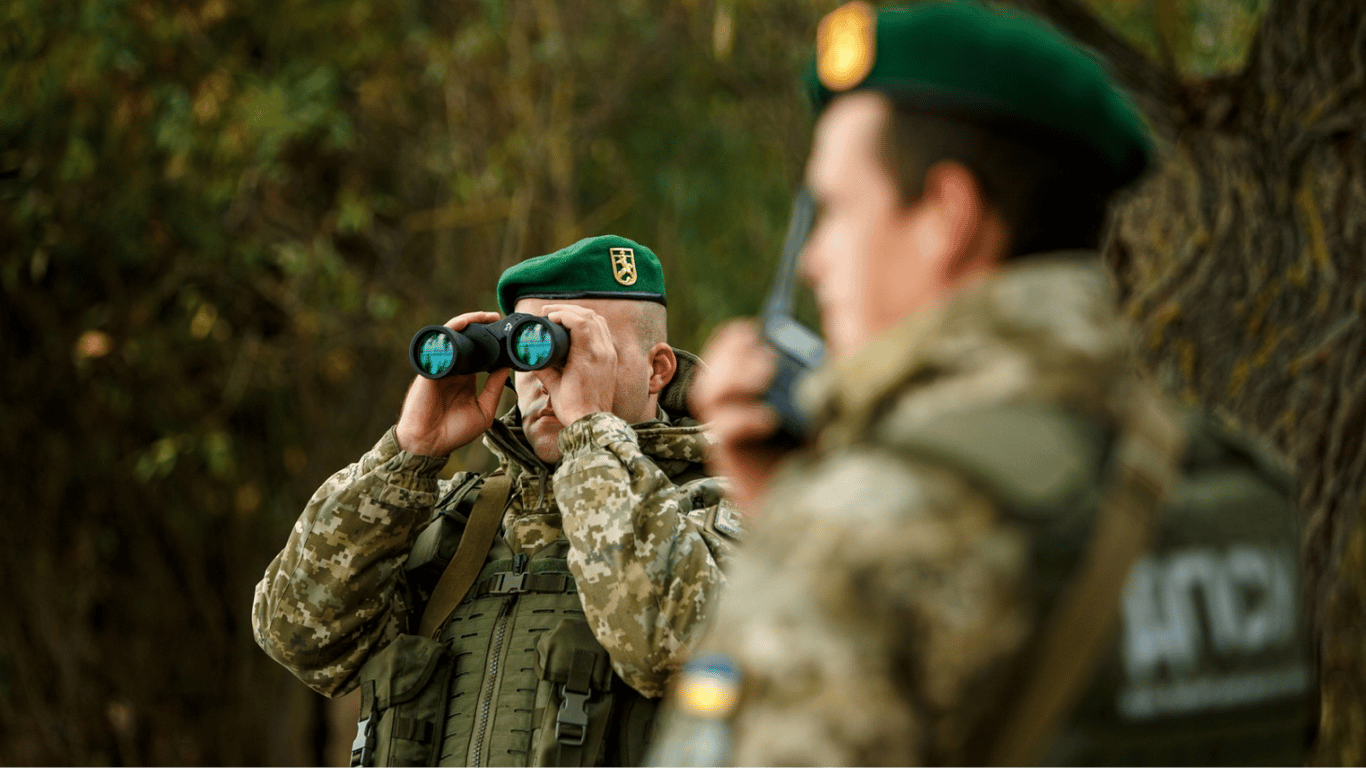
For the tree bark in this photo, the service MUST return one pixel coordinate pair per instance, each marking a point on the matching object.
(1241, 263)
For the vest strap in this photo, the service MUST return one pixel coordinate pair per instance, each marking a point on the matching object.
(510, 583)
(363, 748)
(1081, 622)
(485, 519)
(413, 729)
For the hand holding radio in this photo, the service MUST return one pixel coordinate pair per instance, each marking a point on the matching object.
(729, 396)
(749, 393)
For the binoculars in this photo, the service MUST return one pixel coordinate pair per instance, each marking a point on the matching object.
(519, 341)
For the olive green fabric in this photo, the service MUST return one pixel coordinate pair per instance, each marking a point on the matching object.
(547, 694)
(967, 57)
(402, 701)
(455, 582)
(1214, 662)
(1041, 461)
(603, 267)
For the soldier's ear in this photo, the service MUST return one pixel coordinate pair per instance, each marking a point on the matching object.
(964, 223)
(663, 366)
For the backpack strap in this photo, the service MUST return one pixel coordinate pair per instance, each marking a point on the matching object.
(1077, 631)
(459, 575)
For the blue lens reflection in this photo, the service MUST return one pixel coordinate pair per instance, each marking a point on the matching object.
(437, 355)
(532, 344)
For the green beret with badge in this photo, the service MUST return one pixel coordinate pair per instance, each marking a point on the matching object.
(603, 267)
(966, 58)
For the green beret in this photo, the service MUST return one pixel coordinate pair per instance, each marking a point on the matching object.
(603, 267)
(963, 57)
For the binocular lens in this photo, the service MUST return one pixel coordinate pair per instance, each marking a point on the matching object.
(532, 345)
(519, 341)
(436, 354)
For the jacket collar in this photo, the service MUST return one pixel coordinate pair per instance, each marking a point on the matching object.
(675, 439)
(1006, 337)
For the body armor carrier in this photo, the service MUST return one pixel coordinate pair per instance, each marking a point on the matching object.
(516, 677)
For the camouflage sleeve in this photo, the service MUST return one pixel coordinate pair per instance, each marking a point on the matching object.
(334, 594)
(875, 613)
(647, 564)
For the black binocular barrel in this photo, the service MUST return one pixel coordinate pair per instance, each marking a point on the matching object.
(437, 351)
(519, 341)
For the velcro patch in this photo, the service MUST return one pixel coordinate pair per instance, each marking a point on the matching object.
(727, 521)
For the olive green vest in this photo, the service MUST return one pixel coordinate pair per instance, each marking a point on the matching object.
(1212, 662)
(516, 678)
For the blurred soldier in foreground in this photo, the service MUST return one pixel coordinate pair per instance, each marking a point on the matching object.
(579, 572)
(935, 580)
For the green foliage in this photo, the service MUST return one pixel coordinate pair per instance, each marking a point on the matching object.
(221, 220)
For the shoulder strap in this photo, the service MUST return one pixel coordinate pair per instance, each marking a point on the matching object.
(469, 558)
(1081, 622)
(1035, 459)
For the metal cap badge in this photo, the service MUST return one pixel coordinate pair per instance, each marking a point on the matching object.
(846, 45)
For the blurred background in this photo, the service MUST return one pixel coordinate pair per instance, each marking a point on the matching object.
(222, 220)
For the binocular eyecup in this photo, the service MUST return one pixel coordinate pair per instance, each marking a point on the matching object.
(519, 341)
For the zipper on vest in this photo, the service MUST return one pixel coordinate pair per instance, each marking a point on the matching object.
(481, 728)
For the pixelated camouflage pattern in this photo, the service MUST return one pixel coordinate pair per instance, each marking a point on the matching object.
(631, 502)
(882, 602)
(335, 594)
(647, 564)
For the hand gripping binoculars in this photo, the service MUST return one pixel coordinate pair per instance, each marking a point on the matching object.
(519, 341)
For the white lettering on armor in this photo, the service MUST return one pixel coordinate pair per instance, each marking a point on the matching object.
(1194, 606)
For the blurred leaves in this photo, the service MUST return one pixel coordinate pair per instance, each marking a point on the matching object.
(1196, 38)
(219, 223)
(220, 220)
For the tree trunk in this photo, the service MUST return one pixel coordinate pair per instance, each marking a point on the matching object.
(1241, 262)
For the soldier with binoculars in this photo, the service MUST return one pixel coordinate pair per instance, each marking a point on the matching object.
(530, 616)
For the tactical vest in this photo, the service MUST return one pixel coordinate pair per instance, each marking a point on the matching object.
(516, 678)
(1212, 664)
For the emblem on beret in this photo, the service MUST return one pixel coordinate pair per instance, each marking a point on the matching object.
(846, 45)
(623, 265)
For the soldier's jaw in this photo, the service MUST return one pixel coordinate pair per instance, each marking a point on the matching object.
(543, 432)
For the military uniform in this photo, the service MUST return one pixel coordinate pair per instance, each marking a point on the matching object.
(933, 580)
(885, 610)
(599, 581)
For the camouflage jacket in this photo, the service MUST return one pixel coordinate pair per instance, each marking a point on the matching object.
(882, 600)
(646, 552)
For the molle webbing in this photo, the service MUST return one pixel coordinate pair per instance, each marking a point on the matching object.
(533, 685)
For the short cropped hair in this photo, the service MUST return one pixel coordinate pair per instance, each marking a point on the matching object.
(652, 324)
(1049, 194)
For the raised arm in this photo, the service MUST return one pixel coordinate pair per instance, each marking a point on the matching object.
(645, 552)
(334, 594)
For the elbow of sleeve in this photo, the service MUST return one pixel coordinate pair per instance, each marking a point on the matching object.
(647, 682)
(293, 647)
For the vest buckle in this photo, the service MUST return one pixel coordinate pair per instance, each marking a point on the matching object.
(508, 584)
(362, 748)
(571, 723)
